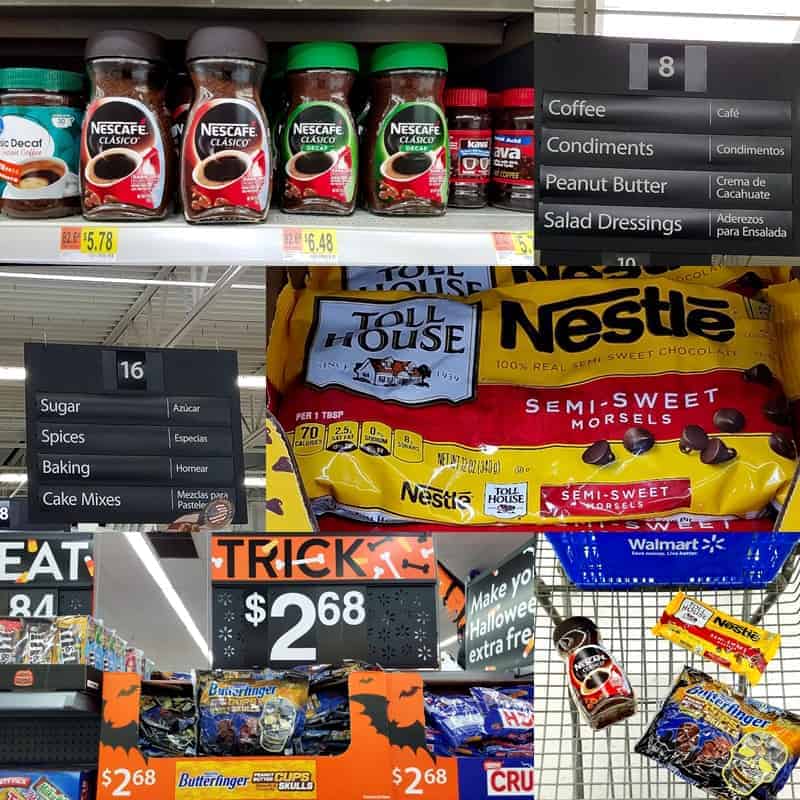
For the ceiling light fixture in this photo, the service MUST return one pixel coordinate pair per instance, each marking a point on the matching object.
(244, 381)
(49, 276)
(144, 552)
(13, 477)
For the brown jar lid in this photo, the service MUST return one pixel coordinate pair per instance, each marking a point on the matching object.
(574, 631)
(223, 41)
(123, 43)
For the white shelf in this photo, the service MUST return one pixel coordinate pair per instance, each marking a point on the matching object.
(460, 238)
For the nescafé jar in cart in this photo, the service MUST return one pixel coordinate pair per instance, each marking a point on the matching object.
(225, 157)
(470, 135)
(127, 155)
(406, 149)
(512, 152)
(319, 145)
(597, 683)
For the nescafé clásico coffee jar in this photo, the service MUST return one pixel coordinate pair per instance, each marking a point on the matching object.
(40, 135)
(512, 152)
(597, 683)
(127, 154)
(225, 157)
(407, 162)
(470, 135)
(319, 145)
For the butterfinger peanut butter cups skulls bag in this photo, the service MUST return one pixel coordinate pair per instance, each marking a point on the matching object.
(537, 403)
(469, 280)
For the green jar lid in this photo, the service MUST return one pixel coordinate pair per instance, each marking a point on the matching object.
(408, 55)
(322, 55)
(46, 80)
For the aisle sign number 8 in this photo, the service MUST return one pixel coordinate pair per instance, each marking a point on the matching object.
(131, 370)
(5, 514)
(668, 67)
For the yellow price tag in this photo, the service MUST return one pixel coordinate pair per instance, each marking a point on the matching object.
(523, 243)
(99, 241)
(319, 242)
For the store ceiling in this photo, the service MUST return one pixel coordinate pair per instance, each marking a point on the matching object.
(83, 305)
(127, 600)
(735, 20)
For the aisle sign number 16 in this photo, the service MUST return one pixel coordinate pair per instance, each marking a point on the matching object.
(330, 609)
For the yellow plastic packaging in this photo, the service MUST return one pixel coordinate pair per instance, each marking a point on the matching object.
(730, 642)
(461, 281)
(535, 403)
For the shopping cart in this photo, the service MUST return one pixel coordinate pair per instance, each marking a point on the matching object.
(573, 762)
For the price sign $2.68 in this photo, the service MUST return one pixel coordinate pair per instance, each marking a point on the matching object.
(120, 781)
(331, 608)
(413, 780)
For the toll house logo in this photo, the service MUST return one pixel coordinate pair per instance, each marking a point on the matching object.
(412, 351)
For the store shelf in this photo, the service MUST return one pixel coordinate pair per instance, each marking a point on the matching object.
(572, 762)
(460, 238)
(30, 678)
(484, 23)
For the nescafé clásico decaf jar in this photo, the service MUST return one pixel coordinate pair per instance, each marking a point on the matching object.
(226, 159)
(512, 152)
(127, 154)
(407, 162)
(319, 146)
(470, 135)
(40, 135)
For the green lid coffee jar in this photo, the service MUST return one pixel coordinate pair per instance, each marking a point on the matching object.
(406, 147)
(41, 111)
(319, 143)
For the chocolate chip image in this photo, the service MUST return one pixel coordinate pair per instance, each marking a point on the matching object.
(783, 445)
(373, 449)
(341, 447)
(598, 454)
(638, 440)
(751, 280)
(693, 438)
(760, 373)
(275, 506)
(777, 411)
(729, 420)
(717, 452)
(282, 465)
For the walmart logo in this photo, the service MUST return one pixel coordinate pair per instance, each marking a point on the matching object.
(713, 544)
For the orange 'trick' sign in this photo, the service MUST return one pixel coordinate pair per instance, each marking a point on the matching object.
(321, 558)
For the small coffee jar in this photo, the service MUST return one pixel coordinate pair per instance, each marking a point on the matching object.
(226, 163)
(512, 152)
(127, 153)
(470, 135)
(40, 133)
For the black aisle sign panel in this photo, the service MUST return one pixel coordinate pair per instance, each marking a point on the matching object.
(666, 147)
(46, 575)
(118, 435)
(500, 615)
(284, 624)
(14, 517)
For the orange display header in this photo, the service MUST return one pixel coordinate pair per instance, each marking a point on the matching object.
(322, 558)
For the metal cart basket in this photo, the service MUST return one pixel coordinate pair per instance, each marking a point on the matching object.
(573, 762)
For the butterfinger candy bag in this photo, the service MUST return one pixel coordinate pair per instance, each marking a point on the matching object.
(538, 403)
(733, 746)
(244, 715)
(462, 281)
(733, 643)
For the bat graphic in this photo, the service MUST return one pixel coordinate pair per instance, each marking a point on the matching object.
(120, 726)
(410, 692)
(365, 681)
(376, 708)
